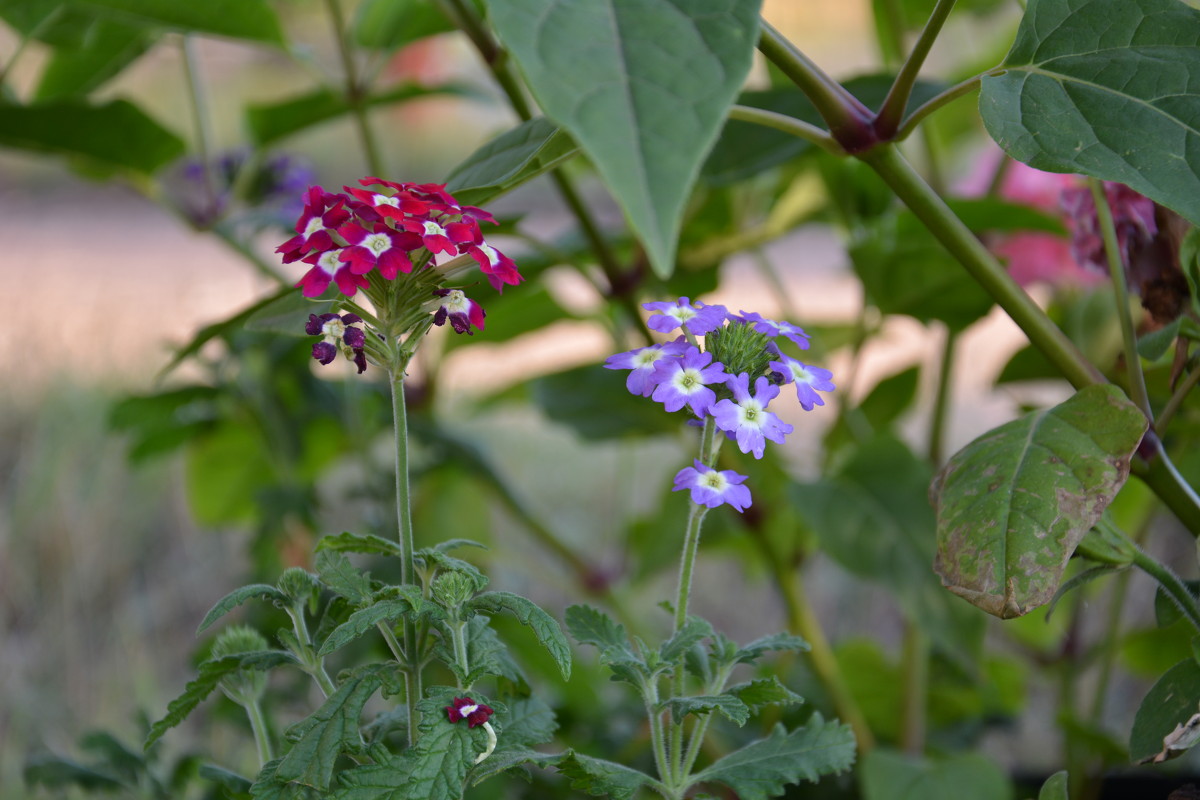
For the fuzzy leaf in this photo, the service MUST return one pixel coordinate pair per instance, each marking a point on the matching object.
(544, 626)
(775, 642)
(591, 626)
(529, 721)
(237, 597)
(1013, 504)
(342, 577)
(1106, 88)
(601, 778)
(435, 557)
(504, 760)
(764, 767)
(642, 85)
(365, 619)
(210, 675)
(265, 786)
(694, 631)
(330, 731)
(511, 159)
(729, 707)
(454, 544)
(764, 692)
(358, 543)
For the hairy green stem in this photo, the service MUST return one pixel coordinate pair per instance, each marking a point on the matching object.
(1116, 273)
(411, 664)
(258, 724)
(887, 122)
(691, 544)
(1171, 584)
(355, 92)
(313, 664)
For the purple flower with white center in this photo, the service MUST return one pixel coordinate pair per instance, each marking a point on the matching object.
(808, 379)
(340, 334)
(683, 381)
(463, 312)
(747, 418)
(771, 327)
(643, 362)
(696, 319)
(710, 487)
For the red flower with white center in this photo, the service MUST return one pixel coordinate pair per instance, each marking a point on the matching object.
(462, 311)
(395, 207)
(328, 267)
(380, 247)
(499, 268)
(465, 708)
(323, 212)
(433, 236)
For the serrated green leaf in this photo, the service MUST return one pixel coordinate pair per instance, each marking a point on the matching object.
(763, 768)
(1106, 88)
(694, 631)
(727, 705)
(1169, 705)
(210, 675)
(433, 557)
(363, 620)
(336, 572)
(115, 136)
(270, 122)
(528, 613)
(529, 721)
(893, 776)
(329, 731)
(504, 760)
(592, 626)
(1013, 504)
(391, 24)
(601, 778)
(749, 653)
(238, 596)
(511, 159)
(239, 19)
(347, 542)
(487, 654)
(762, 692)
(646, 97)
(265, 786)
(108, 49)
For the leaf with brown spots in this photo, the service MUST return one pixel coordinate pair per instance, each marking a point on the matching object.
(1013, 504)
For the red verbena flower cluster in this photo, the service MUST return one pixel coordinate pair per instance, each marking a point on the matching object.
(346, 235)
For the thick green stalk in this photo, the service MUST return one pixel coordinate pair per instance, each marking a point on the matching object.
(892, 111)
(411, 665)
(1116, 273)
(355, 92)
(258, 724)
(954, 235)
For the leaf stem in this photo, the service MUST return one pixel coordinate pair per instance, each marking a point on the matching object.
(982, 265)
(931, 105)
(411, 665)
(915, 655)
(1155, 468)
(1116, 273)
(941, 403)
(258, 724)
(790, 125)
(691, 544)
(200, 122)
(887, 122)
(1177, 397)
(1170, 583)
(355, 93)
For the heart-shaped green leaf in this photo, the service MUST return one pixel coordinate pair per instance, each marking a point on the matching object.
(1013, 504)
(1107, 88)
(642, 85)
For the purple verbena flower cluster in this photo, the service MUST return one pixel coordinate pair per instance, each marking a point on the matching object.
(731, 382)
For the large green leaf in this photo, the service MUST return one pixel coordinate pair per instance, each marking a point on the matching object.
(108, 49)
(389, 24)
(642, 85)
(601, 778)
(1013, 504)
(238, 19)
(893, 776)
(1107, 88)
(116, 135)
(528, 613)
(764, 767)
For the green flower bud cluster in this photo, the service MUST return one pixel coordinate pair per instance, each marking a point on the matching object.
(740, 348)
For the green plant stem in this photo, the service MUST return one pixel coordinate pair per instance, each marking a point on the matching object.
(1116, 273)
(954, 235)
(356, 93)
(258, 724)
(411, 664)
(782, 122)
(915, 655)
(200, 119)
(1181, 392)
(941, 403)
(691, 544)
(458, 634)
(657, 739)
(313, 664)
(931, 105)
(887, 122)
(1170, 583)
